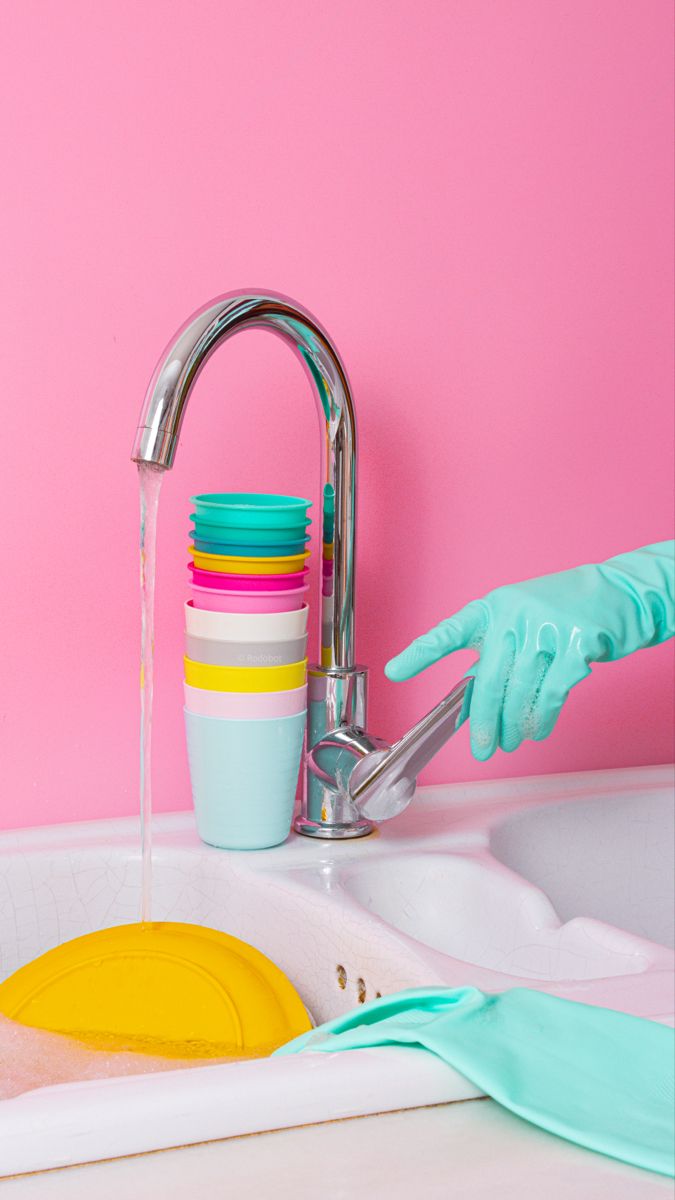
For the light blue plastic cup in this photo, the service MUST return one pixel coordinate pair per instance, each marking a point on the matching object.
(244, 776)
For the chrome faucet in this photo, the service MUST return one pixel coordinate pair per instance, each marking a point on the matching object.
(350, 777)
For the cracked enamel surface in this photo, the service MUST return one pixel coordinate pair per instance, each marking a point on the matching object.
(423, 902)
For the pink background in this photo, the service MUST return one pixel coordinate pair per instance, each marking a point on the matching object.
(473, 196)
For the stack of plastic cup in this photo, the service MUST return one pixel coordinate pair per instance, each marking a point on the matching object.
(246, 665)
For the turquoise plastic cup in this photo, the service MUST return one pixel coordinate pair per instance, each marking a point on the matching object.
(251, 510)
(244, 776)
(241, 549)
(235, 536)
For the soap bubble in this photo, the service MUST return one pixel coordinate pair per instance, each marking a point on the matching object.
(481, 736)
(33, 1058)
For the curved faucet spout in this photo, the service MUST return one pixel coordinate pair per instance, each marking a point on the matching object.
(164, 408)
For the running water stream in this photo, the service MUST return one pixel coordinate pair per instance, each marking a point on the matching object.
(33, 1058)
(150, 480)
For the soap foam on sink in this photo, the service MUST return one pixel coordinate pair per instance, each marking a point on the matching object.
(33, 1058)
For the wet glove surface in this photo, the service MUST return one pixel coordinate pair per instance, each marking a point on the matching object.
(597, 1077)
(537, 639)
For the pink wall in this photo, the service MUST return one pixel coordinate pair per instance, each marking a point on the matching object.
(473, 196)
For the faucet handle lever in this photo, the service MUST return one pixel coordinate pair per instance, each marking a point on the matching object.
(383, 782)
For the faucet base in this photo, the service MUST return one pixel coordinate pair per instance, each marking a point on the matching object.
(320, 829)
(336, 701)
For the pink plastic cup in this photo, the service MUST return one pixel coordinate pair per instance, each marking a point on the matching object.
(245, 706)
(248, 583)
(218, 600)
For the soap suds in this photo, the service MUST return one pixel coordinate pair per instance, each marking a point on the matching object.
(33, 1058)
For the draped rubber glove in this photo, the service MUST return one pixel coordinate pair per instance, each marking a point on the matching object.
(537, 639)
(597, 1077)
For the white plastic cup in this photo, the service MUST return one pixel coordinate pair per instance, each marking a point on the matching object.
(245, 627)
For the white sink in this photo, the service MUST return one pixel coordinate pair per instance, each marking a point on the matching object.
(425, 901)
(611, 857)
(498, 922)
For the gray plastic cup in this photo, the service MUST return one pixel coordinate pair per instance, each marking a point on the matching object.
(246, 654)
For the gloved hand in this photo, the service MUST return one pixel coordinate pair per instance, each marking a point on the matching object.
(536, 640)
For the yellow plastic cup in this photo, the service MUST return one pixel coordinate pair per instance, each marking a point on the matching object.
(245, 679)
(227, 564)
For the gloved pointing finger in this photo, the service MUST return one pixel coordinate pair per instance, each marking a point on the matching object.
(537, 639)
(459, 632)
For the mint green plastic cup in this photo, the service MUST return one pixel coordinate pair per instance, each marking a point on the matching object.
(250, 510)
(244, 776)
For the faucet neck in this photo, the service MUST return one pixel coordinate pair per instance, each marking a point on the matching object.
(166, 400)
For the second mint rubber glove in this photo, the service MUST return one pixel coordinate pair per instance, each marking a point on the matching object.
(537, 639)
(594, 1076)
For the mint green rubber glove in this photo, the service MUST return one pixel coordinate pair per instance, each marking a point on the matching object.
(597, 1077)
(537, 639)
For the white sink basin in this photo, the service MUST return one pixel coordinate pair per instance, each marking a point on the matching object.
(612, 857)
(425, 901)
(496, 921)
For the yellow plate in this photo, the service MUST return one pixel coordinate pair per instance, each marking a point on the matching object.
(245, 679)
(227, 564)
(179, 990)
